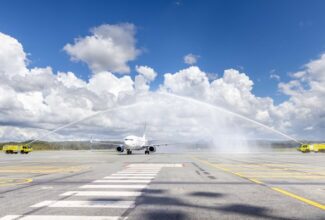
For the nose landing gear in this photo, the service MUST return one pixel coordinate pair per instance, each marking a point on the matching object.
(146, 152)
(128, 151)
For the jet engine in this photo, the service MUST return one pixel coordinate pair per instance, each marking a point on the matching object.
(152, 149)
(120, 148)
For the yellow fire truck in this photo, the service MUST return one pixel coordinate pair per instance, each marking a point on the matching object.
(305, 148)
(14, 149)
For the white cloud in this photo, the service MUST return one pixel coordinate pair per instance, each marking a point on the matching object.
(304, 109)
(70, 80)
(35, 100)
(147, 72)
(232, 91)
(191, 59)
(39, 99)
(12, 57)
(109, 48)
(275, 76)
(107, 83)
(145, 76)
(141, 83)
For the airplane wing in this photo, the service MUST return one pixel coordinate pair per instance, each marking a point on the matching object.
(105, 144)
(159, 143)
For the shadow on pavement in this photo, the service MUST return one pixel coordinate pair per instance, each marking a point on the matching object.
(206, 194)
(170, 215)
(243, 210)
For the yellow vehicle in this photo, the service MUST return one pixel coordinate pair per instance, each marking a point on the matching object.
(305, 148)
(14, 149)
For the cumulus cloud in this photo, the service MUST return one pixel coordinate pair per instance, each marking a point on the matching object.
(191, 59)
(232, 91)
(145, 76)
(107, 83)
(35, 100)
(304, 111)
(12, 57)
(39, 99)
(147, 72)
(108, 48)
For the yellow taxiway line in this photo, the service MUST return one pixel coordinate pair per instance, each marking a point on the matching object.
(41, 169)
(276, 189)
(14, 181)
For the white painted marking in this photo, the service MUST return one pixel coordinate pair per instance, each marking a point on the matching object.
(101, 193)
(130, 171)
(128, 177)
(134, 174)
(47, 187)
(113, 186)
(143, 165)
(122, 181)
(60, 217)
(143, 169)
(85, 204)
(124, 172)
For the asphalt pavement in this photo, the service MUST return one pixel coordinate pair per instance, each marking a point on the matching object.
(99, 185)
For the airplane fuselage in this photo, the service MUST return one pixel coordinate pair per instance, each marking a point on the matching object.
(133, 142)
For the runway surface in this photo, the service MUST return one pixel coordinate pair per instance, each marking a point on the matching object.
(101, 185)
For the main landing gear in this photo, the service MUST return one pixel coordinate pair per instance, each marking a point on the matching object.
(146, 152)
(128, 151)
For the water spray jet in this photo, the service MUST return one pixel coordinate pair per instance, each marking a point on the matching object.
(188, 99)
(83, 119)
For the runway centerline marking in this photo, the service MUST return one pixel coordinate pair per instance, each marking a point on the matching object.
(276, 189)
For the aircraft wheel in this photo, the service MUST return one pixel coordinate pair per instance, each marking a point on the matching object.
(146, 152)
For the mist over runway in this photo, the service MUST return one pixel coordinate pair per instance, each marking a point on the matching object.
(184, 185)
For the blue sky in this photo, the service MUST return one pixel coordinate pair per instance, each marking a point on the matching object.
(255, 36)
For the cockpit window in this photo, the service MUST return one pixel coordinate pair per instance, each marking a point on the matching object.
(128, 139)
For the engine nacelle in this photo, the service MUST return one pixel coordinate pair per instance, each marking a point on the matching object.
(152, 149)
(120, 148)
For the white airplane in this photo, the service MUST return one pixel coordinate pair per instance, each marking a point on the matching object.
(137, 143)
(132, 143)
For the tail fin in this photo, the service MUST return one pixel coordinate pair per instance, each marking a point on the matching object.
(144, 130)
